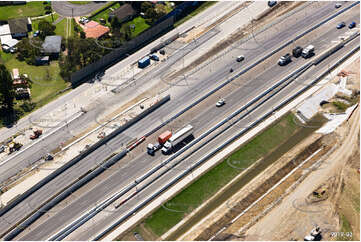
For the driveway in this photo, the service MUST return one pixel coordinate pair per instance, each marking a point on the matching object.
(68, 9)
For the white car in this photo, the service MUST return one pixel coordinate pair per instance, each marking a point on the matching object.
(220, 102)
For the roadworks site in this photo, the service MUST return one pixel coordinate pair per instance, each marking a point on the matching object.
(257, 185)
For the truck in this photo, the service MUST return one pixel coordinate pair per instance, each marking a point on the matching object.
(177, 138)
(308, 51)
(315, 235)
(36, 134)
(162, 138)
(142, 63)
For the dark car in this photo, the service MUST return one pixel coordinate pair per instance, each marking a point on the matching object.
(352, 25)
(284, 60)
(272, 3)
(296, 52)
(341, 25)
(154, 57)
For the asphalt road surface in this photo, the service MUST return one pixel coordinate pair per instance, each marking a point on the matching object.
(67, 9)
(204, 79)
(20, 159)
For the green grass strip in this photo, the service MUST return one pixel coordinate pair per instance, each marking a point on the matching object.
(345, 233)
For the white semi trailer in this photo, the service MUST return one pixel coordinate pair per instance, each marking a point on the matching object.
(177, 138)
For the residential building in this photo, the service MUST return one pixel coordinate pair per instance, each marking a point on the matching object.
(52, 46)
(19, 27)
(124, 13)
(95, 30)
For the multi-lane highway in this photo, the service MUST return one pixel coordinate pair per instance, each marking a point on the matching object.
(201, 117)
(22, 159)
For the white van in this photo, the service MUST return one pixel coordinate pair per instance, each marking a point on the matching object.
(308, 51)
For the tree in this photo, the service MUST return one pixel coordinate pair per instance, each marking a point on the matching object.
(82, 35)
(151, 14)
(127, 32)
(115, 24)
(7, 92)
(46, 29)
(161, 10)
(28, 51)
(145, 6)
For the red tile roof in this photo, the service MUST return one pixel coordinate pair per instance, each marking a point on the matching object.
(95, 30)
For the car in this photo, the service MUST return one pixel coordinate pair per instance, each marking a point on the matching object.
(284, 60)
(272, 3)
(240, 58)
(341, 25)
(48, 157)
(2, 148)
(231, 70)
(36, 33)
(296, 52)
(352, 25)
(220, 102)
(154, 57)
(151, 149)
(338, 5)
(13, 50)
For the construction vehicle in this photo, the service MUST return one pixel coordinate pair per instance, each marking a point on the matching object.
(14, 146)
(177, 138)
(48, 157)
(315, 235)
(36, 134)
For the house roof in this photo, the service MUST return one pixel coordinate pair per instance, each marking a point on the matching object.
(52, 44)
(123, 11)
(4, 30)
(95, 30)
(18, 25)
(8, 40)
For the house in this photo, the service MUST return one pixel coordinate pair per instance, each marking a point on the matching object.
(7, 42)
(95, 30)
(52, 46)
(19, 27)
(123, 13)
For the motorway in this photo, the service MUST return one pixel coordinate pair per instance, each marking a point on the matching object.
(104, 219)
(247, 88)
(21, 159)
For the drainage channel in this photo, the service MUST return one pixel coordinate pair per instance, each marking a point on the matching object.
(296, 138)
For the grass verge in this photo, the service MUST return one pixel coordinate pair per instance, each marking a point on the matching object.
(79, 2)
(345, 233)
(30, 9)
(194, 13)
